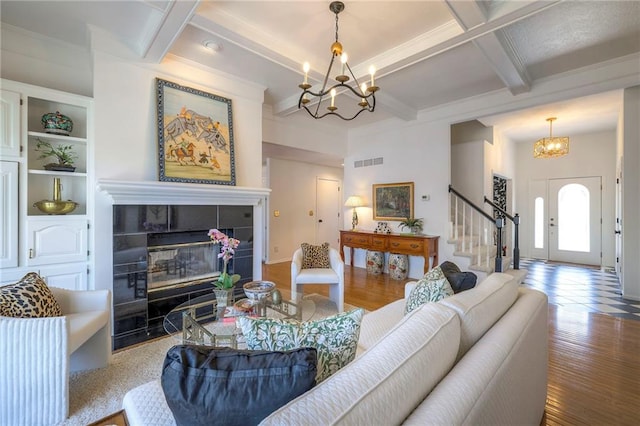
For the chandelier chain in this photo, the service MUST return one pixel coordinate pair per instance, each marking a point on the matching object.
(336, 26)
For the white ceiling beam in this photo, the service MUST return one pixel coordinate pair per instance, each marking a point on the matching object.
(450, 36)
(160, 39)
(248, 44)
(495, 47)
(469, 14)
(498, 49)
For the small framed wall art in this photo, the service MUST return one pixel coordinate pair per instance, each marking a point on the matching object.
(195, 135)
(393, 201)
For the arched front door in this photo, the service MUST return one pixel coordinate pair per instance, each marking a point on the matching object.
(567, 224)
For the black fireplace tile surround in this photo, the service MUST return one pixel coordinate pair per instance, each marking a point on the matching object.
(138, 312)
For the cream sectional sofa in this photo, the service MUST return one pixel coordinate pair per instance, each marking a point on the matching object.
(478, 357)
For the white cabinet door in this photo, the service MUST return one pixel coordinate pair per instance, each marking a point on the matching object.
(72, 276)
(8, 214)
(9, 124)
(54, 239)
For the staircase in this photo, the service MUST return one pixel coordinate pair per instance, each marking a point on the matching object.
(474, 234)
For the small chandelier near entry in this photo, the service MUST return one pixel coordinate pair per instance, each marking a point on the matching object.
(365, 94)
(552, 146)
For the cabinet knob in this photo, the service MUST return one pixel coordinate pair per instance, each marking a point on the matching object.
(30, 253)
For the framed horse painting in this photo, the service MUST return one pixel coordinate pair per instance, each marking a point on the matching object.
(195, 135)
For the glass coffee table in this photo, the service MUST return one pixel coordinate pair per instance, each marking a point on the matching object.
(200, 322)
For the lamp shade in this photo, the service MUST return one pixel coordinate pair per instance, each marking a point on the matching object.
(353, 201)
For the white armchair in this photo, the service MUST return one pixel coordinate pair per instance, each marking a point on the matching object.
(37, 354)
(333, 276)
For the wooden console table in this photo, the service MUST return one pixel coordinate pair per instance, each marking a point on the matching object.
(414, 245)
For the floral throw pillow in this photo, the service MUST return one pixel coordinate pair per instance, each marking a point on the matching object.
(28, 298)
(315, 256)
(335, 338)
(428, 290)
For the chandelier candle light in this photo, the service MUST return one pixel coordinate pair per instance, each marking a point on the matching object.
(361, 91)
(551, 147)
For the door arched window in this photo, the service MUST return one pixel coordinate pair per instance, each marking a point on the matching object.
(573, 218)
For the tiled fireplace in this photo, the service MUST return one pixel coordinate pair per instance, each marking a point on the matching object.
(162, 255)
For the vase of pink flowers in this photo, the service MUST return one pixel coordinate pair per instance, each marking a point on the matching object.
(225, 282)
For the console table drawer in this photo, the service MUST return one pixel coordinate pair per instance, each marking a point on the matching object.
(357, 241)
(378, 243)
(406, 246)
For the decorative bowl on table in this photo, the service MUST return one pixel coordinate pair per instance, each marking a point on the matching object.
(258, 290)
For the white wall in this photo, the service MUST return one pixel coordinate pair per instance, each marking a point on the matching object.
(34, 59)
(419, 153)
(467, 170)
(631, 194)
(293, 194)
(301, 131)
(589, 155)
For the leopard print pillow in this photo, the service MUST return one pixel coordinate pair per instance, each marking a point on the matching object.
(28, 298)
(315, 256)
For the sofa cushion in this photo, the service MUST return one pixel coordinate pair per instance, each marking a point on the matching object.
(480, 307)
(388, 381)
(204, 385)
(146, 405)
(428, 290)
(458, 280)
(335, 337)
(28, 298)
(377, 323)
(315, 256)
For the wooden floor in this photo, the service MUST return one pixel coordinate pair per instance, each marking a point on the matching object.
(594, 359)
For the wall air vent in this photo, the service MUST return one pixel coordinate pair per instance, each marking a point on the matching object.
(368, 162)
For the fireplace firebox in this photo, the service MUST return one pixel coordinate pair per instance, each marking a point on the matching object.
(162, 257)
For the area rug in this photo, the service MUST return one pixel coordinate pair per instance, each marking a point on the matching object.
(99, 393)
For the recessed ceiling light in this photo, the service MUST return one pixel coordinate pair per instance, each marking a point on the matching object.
(212, 45)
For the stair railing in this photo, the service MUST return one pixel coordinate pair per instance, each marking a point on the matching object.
(516, 239)
(461, 208)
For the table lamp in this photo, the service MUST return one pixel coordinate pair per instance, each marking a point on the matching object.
(354, 201)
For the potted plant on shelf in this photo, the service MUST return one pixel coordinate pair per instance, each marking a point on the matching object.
(225, 283)
(414, 224)
(63, 153)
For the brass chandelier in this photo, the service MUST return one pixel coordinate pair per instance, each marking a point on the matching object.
(365, 94)
(551, 147)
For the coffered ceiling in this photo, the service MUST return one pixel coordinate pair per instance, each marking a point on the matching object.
(427, 53)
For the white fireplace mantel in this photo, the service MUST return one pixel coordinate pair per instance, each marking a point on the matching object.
(151, 192)
(121, 192)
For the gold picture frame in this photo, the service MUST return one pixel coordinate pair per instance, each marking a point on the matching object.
(393, 201)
